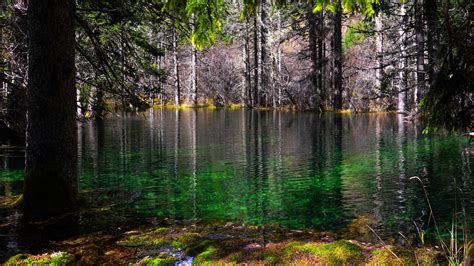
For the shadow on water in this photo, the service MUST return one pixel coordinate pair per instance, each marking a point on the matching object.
(298, 170)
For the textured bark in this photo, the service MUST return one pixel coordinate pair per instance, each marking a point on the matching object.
(264, 80)
(402, 61)
(431, 36)
(51, 143)
(320, 70)
(177, 85)
(312, 36)
(420, 53)
(246, 79)
(194, 97)
(337, 57)
(379, 48)
(256, 89)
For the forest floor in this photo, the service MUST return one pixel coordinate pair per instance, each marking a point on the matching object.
(228, 244)
(121, 240)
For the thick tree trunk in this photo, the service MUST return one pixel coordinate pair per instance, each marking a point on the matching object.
(51, 142)
(177, 85)
(337, 57)
(402, 62)
(420, 53)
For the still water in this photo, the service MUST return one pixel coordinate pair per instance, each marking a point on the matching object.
(260, 167)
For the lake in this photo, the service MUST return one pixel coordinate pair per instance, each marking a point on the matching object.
(296, 169)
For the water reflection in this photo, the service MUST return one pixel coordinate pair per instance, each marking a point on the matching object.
(296, 169)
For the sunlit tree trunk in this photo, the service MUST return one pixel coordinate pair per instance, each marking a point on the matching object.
(194, 96)
(402, 61)
(279, 58)
(51, 143)
(337, 57)
(177, 85)
(379, 49)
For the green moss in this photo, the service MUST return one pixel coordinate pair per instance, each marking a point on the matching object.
(335, 253)
(428, 256)
(169, 260)
(57, 258)
(207, 255)
(162, 230)
(384, 256)
(135, 241)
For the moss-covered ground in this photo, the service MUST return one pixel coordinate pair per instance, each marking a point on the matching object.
(225, 244)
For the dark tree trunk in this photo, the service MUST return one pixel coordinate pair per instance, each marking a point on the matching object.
(420, 52)
(321, 36)
(337, 57)
(51, 151)
(313, 47)
(431, 8)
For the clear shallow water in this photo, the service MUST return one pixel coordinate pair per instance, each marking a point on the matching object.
(294, 169)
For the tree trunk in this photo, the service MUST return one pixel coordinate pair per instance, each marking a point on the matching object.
(432, 36)
(51, 143)
(420, 53)
(177, 85)
(263, 53)
(402, 61)
(246, 79)
(321, 36)
(256, 89)
(313, 49)
(337, 56)
(379, 49)
(194, 97)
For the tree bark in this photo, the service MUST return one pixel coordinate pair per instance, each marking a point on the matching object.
(263, 53)
(177, 85)
(431, 10)
(420, 53)
(337, 57)
(51, 143)
(256, 89)
(402, 61)
(379, 49)
(320, 38)
(313, 49)
(194, 97)
(246, 88)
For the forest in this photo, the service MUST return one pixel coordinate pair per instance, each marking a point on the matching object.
(189, 132)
